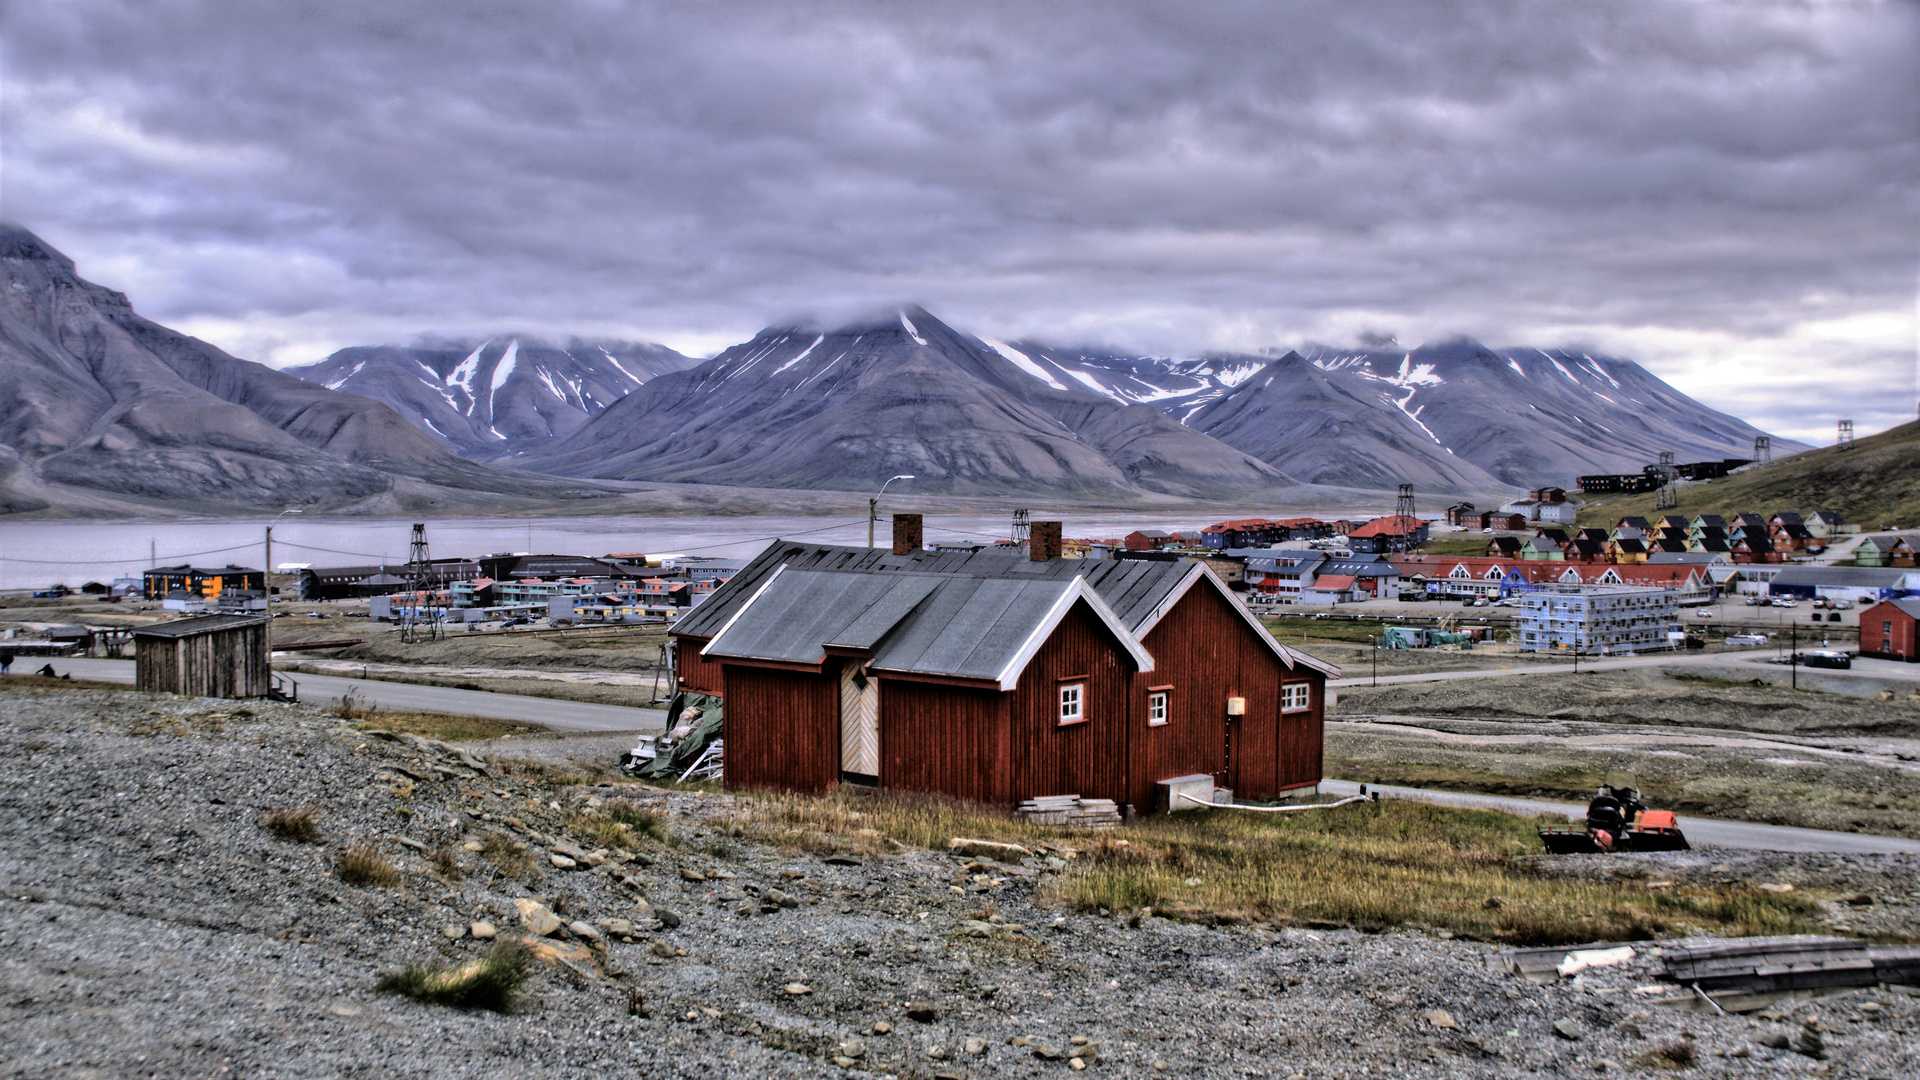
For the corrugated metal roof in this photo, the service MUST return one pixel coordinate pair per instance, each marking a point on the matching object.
(204, 624)
(1134, 588)
(800, 612)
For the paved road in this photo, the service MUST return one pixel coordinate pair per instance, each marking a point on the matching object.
(556, 714)
(1701, 832)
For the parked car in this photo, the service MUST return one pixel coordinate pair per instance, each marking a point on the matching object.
(1703, 613)
(1843, 605)
(1786, 603)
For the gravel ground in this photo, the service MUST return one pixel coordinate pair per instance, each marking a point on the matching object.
(151, 927)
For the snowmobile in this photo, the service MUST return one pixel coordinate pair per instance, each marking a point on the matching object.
(1617, 821)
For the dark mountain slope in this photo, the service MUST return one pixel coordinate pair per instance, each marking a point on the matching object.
(846, 408)
(495, 398)
(96, 398)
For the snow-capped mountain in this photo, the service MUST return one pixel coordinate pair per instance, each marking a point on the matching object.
(1451, 416)
(493, 398)
(847, 407)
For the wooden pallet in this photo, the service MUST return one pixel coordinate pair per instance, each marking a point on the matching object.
(1071, 811)
(1773, 963)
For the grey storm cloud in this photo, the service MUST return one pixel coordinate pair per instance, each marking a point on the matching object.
(1724, 191)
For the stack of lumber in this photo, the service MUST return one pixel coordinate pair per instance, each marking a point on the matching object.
(1072, 811)
(1790, 963)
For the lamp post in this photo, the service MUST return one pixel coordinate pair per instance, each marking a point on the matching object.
(873, 506)
(266, 577)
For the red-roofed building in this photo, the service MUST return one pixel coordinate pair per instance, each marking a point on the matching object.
(1388, 534)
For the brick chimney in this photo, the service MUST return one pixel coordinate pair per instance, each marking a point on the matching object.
(909, 535)
(1043, 542)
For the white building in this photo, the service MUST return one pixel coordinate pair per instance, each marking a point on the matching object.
(1592, 619)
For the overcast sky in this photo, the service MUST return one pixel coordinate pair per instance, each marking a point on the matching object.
(1725, 192)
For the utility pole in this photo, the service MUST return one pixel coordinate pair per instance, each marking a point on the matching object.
(1793, 652)
(266, 578)
(873, 506)
(1376, 660)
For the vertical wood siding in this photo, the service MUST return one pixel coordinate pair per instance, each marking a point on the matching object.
(1207, 653)
(228, 663)
(782, 729)
(946, 739)
(694, 671)
(1088, 758)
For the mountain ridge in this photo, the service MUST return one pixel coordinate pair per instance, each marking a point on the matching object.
(101, 405)
(928, 400)
(518, 390)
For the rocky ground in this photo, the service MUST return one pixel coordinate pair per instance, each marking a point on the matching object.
(151, 926)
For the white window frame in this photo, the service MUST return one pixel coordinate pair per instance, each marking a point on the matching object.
(1159, 698)
(1073, 703)
(1296, 697)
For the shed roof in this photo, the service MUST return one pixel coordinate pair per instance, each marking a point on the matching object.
(921, 624)
(1138, 592)
(204, 624)
(1333, 581)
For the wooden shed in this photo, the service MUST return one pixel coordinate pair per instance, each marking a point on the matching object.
(221, 656)
(996, 678)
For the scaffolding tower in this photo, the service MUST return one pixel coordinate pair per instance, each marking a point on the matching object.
(1762, 449)
(1022, 528)
(1845, 440)
(1403, 506)
(419, 563)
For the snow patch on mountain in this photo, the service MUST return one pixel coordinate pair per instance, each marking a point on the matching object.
(1020, 360)
(342, 381)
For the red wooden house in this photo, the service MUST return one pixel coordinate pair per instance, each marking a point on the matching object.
(998, 677)
(1891, 629)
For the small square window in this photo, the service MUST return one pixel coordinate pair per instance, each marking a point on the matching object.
(1295, 697)
(1156, 708)
(1073, 698)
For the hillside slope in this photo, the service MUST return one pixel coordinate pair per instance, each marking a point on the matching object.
(491, 399)
(102, 408)
(1873, 485)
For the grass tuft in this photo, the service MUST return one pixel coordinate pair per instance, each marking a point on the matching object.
(294, 826)
(641, 820)
(1672, 1054)
(509, 855)
(364, 863)
(490, 982)
(600, 831)
(352, 707)
(445, 863)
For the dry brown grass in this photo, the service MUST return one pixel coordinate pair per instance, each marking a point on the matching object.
(446, 865)
(450, 728)
(363, 863)
(1385, 864)
(639, 820)
(600, 831)
(490, 982)
(300, 826)
(511, 856)
(1672, 1054)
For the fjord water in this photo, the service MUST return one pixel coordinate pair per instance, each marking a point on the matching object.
(35, 554)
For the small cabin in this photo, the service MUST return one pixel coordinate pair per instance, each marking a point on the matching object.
(996, 678)
(223, 656)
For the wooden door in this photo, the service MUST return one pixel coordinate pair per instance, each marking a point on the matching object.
(859, 725)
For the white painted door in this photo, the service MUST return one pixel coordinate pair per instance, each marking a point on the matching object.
(859, 721)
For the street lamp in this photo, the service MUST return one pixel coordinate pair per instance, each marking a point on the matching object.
(266, 578)
(873, 505)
